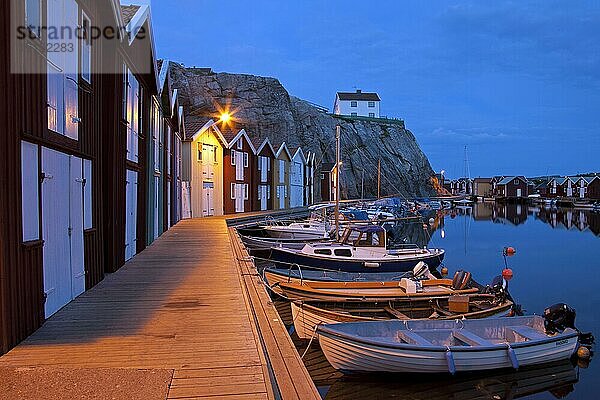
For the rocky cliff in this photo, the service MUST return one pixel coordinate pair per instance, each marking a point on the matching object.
(264, 108)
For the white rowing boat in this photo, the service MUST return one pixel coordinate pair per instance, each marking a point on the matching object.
(444, 346)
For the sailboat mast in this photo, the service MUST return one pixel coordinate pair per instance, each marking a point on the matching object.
(378, 178)
(337, 182)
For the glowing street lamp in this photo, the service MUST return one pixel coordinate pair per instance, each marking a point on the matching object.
(225, 117)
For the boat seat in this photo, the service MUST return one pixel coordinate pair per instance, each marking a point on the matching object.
(527, 332)
(470, 338)
(411, 337)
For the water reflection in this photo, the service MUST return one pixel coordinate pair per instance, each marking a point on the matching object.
(507, 214)
(556, 379)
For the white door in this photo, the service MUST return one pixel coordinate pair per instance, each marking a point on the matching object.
(569, 190)
(131, 214)
(264, 166)
(208, 207)
(281, 192)
(239, 197)
(208, 160)
(186, 210)
(581, 193)
(156, 198)
(239, 166)
(518, 192)
(76, 227)
(55, 230)
(262, 193)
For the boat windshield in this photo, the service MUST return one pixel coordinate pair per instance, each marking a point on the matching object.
(364, 237)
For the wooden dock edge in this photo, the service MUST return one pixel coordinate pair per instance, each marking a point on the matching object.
(282, 364)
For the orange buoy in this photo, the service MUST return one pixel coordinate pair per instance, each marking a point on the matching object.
(444, 271)
(583, 353)
(507, 274)
(510, 251)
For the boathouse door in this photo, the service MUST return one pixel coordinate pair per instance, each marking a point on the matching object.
(131, 214)
(62, 229)
(239, 197)
(262, 196)
(208, 207)
(519, 192)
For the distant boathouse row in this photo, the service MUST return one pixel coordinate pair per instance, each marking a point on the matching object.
(97, 166)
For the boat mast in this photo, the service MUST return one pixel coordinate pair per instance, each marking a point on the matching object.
(337, 182)
(378, 179)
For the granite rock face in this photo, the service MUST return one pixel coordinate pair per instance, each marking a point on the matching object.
(264, 108)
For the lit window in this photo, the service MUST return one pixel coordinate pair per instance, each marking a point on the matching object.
(199, 151)
(353, 104)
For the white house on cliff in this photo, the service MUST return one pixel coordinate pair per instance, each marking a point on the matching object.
(357, 104)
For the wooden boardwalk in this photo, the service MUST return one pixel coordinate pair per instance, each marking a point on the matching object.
(182, 305)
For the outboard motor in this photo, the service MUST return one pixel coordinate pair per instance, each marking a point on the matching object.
(461, 280)
(558, 317)
(421, 271)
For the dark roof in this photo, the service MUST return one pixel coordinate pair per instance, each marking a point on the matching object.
(229, 130)
(482, 180)
(193, 125)
(327, 167)
(127, 12)
(510, 178)
(358, 95)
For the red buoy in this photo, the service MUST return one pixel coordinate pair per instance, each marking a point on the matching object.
(507, 274)
(510, 251)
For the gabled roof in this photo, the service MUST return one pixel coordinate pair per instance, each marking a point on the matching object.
(265, 142)
(358, 95)
(241, 133)
(135, 22)
(128, 11)
(297, 151)
(508, 179)
(194, 128)
(281, 149)
(564, 179)
(587, 178)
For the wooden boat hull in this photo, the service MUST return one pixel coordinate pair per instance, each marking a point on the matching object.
(285, 258)
(307, 316)
(348, 352)
(368, 291)
(274, 277)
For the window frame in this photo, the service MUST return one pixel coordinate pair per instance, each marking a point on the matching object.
(353, 103)
(86, 75)
(36, 32)
(371, 104)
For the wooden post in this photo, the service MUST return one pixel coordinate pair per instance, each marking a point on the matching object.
(337, 183)
(379, 178)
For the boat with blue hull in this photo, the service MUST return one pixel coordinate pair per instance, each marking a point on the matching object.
(361, 249)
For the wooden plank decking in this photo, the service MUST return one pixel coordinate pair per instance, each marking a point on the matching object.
(180, 305)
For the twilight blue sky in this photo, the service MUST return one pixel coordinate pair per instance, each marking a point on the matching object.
(518, 82)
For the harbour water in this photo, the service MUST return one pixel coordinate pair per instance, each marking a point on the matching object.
(557, 260)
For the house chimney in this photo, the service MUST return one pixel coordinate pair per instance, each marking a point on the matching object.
(358, 91)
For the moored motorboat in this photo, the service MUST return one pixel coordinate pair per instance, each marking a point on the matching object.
(274, 276)
(299, 230)
(361, 249)
(265, 243)
(308, 315)
(444, 346)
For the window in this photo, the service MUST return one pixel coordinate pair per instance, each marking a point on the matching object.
(325, 252)
(353, 114)
(169, 154)
(86, 48)
(371, 104)
(232, 156)
(245, 160)
(87, 194)
(63, 69)
(199, 151)
(233, 191)
(353, 104)
(372, 115)
(156, 134)
(268, 192)
(516, 182)
(240, 144)
(260, 163)
(343, 252)
(245, 191)
(33, 12)
(30, 177)
(133, 96)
